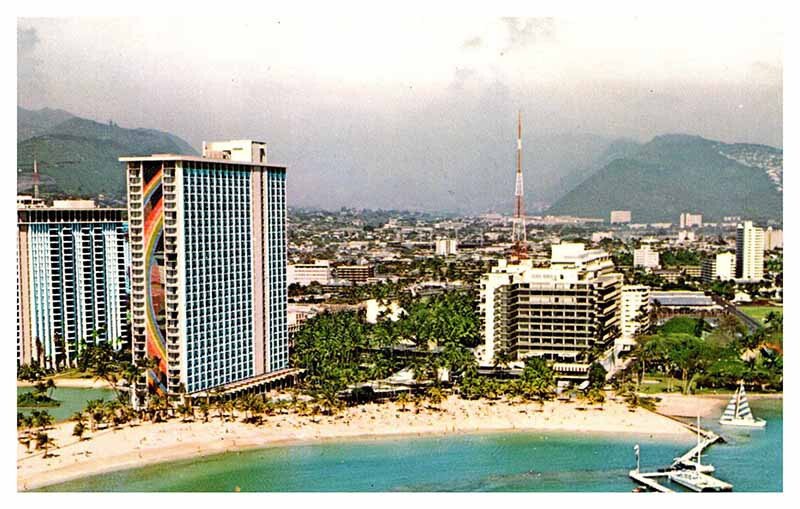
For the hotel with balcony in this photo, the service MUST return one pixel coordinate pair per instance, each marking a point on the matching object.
(72, 280)
(208, 265)
(568, 312)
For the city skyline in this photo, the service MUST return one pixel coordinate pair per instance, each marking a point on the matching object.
(439, 253)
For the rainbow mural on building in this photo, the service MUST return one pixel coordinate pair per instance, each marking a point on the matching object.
(156, 348)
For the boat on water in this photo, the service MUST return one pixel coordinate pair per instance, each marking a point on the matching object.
(693, 461)
(738, 412)
(698, 481)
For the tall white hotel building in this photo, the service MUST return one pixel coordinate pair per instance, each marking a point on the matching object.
(72, 280)
(208, 267)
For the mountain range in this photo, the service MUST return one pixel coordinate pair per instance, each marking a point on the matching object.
(78, 157)
(677, 173)
(567, 174)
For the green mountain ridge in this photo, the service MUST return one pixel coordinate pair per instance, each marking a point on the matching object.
(78, 157)
(32, 123)
(677, 173)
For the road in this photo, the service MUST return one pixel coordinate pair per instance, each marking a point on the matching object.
(751, 324)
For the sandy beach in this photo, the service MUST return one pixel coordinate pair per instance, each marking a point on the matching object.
(146, 443)
(704, 405)
(77, 383)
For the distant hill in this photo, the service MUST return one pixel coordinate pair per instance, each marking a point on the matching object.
(78, 157)
(32, 123)
(677, 173)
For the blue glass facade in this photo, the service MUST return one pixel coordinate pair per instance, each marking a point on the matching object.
(218, 283)
(275, 254)
(76, 284)
(209, 287)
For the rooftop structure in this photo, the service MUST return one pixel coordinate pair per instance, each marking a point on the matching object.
(681, 299)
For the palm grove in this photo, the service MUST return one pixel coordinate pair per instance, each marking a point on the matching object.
(434, 338)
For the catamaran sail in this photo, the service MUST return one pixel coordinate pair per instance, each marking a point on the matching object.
(738, 412)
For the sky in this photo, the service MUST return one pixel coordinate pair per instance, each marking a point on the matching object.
(402, 112)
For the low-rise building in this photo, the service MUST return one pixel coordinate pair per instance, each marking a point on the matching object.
(685, 236)
(689, 220)
(304, 274)
(773, 239)
(620, 216)
(646, 257)
(598, 236)
(691, 271)
(446, 247)
(721, 266)
(355, 274)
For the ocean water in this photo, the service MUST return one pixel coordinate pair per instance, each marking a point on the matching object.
(72, 399)
(519, 461)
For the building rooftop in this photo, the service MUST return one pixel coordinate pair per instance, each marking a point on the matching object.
(681, 299)
(198, 159)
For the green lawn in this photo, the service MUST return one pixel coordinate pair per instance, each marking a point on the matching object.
(760, 312)
(679, 325)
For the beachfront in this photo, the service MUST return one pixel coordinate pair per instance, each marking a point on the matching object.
(146, 443)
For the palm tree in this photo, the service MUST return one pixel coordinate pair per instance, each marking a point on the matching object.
(186, 411)
(77, 417)
(227, 408)
(250, 404)
(94, 408)
(329, 401)
(205, 410)
(502, 358)
(419, 400)
(402, 400)
(79, 430)
(44, 441)
(50, 385)
(42, 419)
(219, 404)
(435, 397)
(631, 395)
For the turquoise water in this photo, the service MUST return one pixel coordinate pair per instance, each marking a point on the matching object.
(72, 400)
(752, 461)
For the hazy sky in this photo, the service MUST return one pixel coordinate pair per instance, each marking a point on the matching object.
(383, 101)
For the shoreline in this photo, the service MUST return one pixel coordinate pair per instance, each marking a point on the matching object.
(148, 444)
(72, 383)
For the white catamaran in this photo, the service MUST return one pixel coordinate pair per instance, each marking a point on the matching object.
(738, 412)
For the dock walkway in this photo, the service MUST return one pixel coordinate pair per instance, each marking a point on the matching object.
(678, 470)
(707, 438)
(647, 479)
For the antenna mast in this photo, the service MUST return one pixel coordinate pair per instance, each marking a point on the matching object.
(518, 234)
(35, 179)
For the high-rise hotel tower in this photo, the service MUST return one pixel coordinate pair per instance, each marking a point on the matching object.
(562, 312)
(208, 267)
(72, 280)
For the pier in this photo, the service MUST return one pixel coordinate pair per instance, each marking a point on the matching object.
(648, 479)
(685, 470)
(708, 438)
